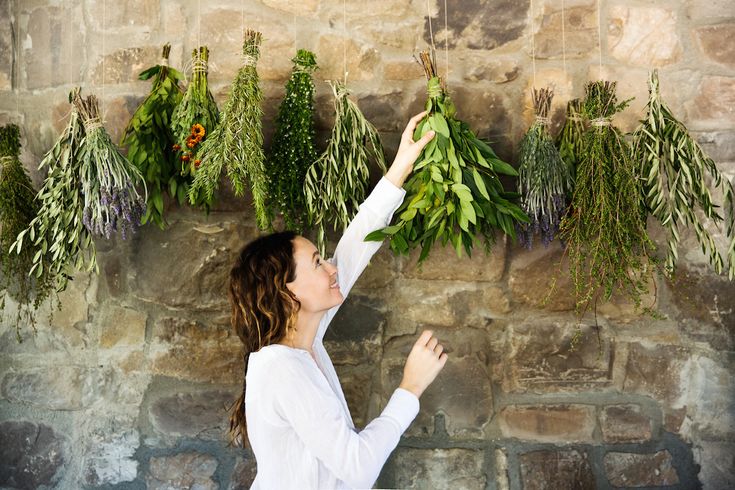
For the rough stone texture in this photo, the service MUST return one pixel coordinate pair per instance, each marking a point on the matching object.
(185, 470)
(717, 43)
(201, 415)
(124, 65)
(640, 470)
(7, 42)
(444, 264)
(438, 468)
(31, 455)
(711, 395)
(549, 423)
(123, 327)
(243, 474)
(655, 372)
(361, 59)
(580, 32)
(643, 36)
(556, 469)
(56, 389)
(624, 423)
(717, 460)
(532, 275)
(109, 458)
(715, 103)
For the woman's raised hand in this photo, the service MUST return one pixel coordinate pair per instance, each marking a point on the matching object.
(424, 362)
(408, 152)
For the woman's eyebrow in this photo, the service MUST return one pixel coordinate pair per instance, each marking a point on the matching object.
(314, 255)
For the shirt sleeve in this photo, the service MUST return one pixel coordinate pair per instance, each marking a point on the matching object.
(303, 398)
(353, 253)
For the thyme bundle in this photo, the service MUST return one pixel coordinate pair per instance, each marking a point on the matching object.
(293, 152)
(237, 143)
(544, 180)
(675, 170)
(337, 182)
(150, 140)
(569, 140)
(454, 194)
(605, 231)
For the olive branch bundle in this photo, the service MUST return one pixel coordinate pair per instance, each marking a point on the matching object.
(544, 179)
(454, 194)
(237, 143)
(569, 140)
(337, 182)
(675, 170)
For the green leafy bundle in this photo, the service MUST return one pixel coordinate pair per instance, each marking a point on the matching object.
(569, 140)
(237, 143)
(337, 182)
(293, 152)
(675, 172)
(150, 140)
(17, 209)
(60, 242)
(605, 231)
(194, 118)
(544, 179)
(455, 194)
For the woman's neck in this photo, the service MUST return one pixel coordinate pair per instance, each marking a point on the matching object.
(305, 331)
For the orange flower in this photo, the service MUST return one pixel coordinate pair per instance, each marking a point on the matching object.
(177, 147)
(191, 142)
(198, 131)
(197, 163)
(185, 158)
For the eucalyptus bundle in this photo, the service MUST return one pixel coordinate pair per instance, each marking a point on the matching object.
(293, 152)
(194, 118)
(675, 172)
(569, 140)
(108, 179)
(544, 179)
(150, 140)
(605, 231)
(237, 143)
(455, 194)
(17, 209)
(337, 182)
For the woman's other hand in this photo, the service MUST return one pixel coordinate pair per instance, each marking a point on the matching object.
(424, 362)
(408, 152)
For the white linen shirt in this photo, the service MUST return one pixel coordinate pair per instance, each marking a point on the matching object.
(298, 422)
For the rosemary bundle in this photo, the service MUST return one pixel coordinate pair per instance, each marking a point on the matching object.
(108, 179)
(544, 180)
(569, 140)
(195, 117)
(605, 231)
(150, 140)
(337, 182)
(675, 172)
(237, 143)
(293, 152)
(454, 194)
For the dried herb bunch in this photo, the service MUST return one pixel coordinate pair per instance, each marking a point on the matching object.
(293, 152)
(237, 143)
(454, 194)
(194, 118)
(108, 179)
(675, 172)
(337, 182)
(569, 140)
(544, 180)
(150, 140)
(605, 231)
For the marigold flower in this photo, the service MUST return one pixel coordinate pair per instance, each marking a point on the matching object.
(198, 131)
(185, 158)
(176, 147)
(197, 163)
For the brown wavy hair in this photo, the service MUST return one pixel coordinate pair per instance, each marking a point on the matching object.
(264, 310)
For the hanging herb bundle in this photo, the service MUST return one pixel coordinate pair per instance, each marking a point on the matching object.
(17, 209)
(544, 180)
(675, 172)
(57, 236)
(150, 140)
(605, 231)
(108, 179)
(569, 140)
(337, 182)
(194, 118)
(237, 143)
(293, 152)
(455, 194)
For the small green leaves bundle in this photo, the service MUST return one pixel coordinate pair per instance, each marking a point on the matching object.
(337, 182)
(675, 172)
(194, 118)
(237, 143)
(108, 179)
(605, 231)
(569, 140)
(544, 179)
(150, 140)
(293, 152)
(455, 194)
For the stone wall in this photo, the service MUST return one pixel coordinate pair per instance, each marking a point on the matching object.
(127, 386)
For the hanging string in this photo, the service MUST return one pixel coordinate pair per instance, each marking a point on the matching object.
(563, 40)
(446, 43)
(199, 24)
(16, 74)
(102, 100)
(344, 39)
(71, 43)
(533, 43)
(431, 31)
(599, 35)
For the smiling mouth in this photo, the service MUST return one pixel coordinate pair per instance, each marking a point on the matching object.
(334, 285)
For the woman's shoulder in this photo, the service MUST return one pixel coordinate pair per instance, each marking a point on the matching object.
(277, 357)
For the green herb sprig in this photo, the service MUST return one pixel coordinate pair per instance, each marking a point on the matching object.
(569, 140)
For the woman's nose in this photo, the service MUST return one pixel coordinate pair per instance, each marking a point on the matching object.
(331, 268)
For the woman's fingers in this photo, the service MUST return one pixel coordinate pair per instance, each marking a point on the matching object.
(424, 338)
(431, 344)
(438, 350)
(411, 126)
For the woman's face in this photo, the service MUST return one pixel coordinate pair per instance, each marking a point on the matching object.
(315, 285)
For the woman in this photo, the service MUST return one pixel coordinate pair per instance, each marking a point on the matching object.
(283, 298)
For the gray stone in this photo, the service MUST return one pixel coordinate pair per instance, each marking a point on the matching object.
(717, 461)
(655, 371)
(124, 65)
(31, 455)
(548, 423)
(540, 279)
(57, 388)
(624, 423)
(109, 458)
(184, 470)
(438, 468)
(719, 145)
(710, 396)
(357, 385)
(201, 414)
(580, 31)
(640, 470)
(7, 42)
(556, 469)
(243, 474)
(142, 14)
(444, 264)
(383, 111)
(122, 327)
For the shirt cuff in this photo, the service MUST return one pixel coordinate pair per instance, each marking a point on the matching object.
(403, 407)
(385, 199)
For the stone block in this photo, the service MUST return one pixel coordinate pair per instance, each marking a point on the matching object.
(355, 334)
(643, 36)
(711, 396)
(708, 9)
(548, 423)
(717, 42)
(57, 388)
(714, 105)
(243, 474)
(717, 462)
(624, 423)
(358, 387)
(438, 468)
(580, 32)
(402, 70)
(109, 457)
(306, 8)
(362, 59)
(200, 414)
(640, 470)
(384, 112)
(122, 327)
(483, 69)
(143, 14)
(656, 371)
(540, 279)
(184, 470)
(556, 469)
(123, 65)
(7, 42)
(31, 455)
